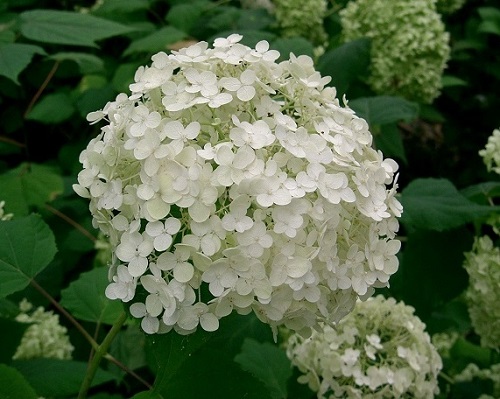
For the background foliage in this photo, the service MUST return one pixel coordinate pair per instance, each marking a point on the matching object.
(60, 59)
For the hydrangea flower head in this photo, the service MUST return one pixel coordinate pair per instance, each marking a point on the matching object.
(491, 152)
(228, 182)
(45, 337)
(483, 294)
(302, 18)
(380, 350)
(409, 45)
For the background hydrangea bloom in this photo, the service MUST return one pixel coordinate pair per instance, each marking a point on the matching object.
(229, 182)
(491, 152)
(409, 45)
(483, 294)
(302, 18)
(380, 350)
(45, 337)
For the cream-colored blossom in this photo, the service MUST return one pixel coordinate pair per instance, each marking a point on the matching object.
(483, 294)
(409, 45)
(302, 18)
(380, 350)
(491, 152)
(45, 337)
(239, 184)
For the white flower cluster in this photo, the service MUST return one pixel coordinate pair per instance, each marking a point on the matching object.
(483, 294)
(472, 371)
(45, 337)
(491, 152)
(380, 350)
(227, 181)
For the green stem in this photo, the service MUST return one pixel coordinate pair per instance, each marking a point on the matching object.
(100, 352)
(63, 311)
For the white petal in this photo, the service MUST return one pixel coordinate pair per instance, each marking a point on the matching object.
(209, 322)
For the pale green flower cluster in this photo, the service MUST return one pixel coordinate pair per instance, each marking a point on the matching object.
(449, 6)
(45, 337)
(483, 294)
(227, 181)
(472, 371)
(409, 45)
(380, 350)
(491, 152)
(302, 18)
(3, 215)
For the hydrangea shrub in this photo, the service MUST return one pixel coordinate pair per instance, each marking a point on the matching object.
(409, 45)
(380, 350)
(229, 182)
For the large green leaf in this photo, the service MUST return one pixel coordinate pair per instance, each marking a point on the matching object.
(13, 385)
(15, 57)
(295, 45)
(29, 185)
(346, 63)
(67, 27)
(435, 204)
(27, 246)
(52, 109)
(268, 363)
(88, 63)
(431, 271)
(186, 15)
(490, 20)
(58, 378)
(390, 142)
(208, 359)
(157, 41)
(85, 298)
(380, 110)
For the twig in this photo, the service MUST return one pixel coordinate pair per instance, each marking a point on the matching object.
(41, 89)
(76, 225)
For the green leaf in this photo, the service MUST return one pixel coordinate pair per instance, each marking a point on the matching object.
(157, 41)
(482, 193)
(490, 20)
(85, 298)
(15, 57)
(58, 378)
(13, 385)
(120, 6)
(390, 142)
(185, 16)
(52, 109)
(27, 246)
(128, 346)
(435, 204)
(380, 110)
(88, 63)
(147, 395)
(449, 80)
(268, 363)
(12, 333)
(208, 359)
(29, 185)
(346, 63)
(431, 271)
(468, 352)
(295, 45)
(66, 27)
